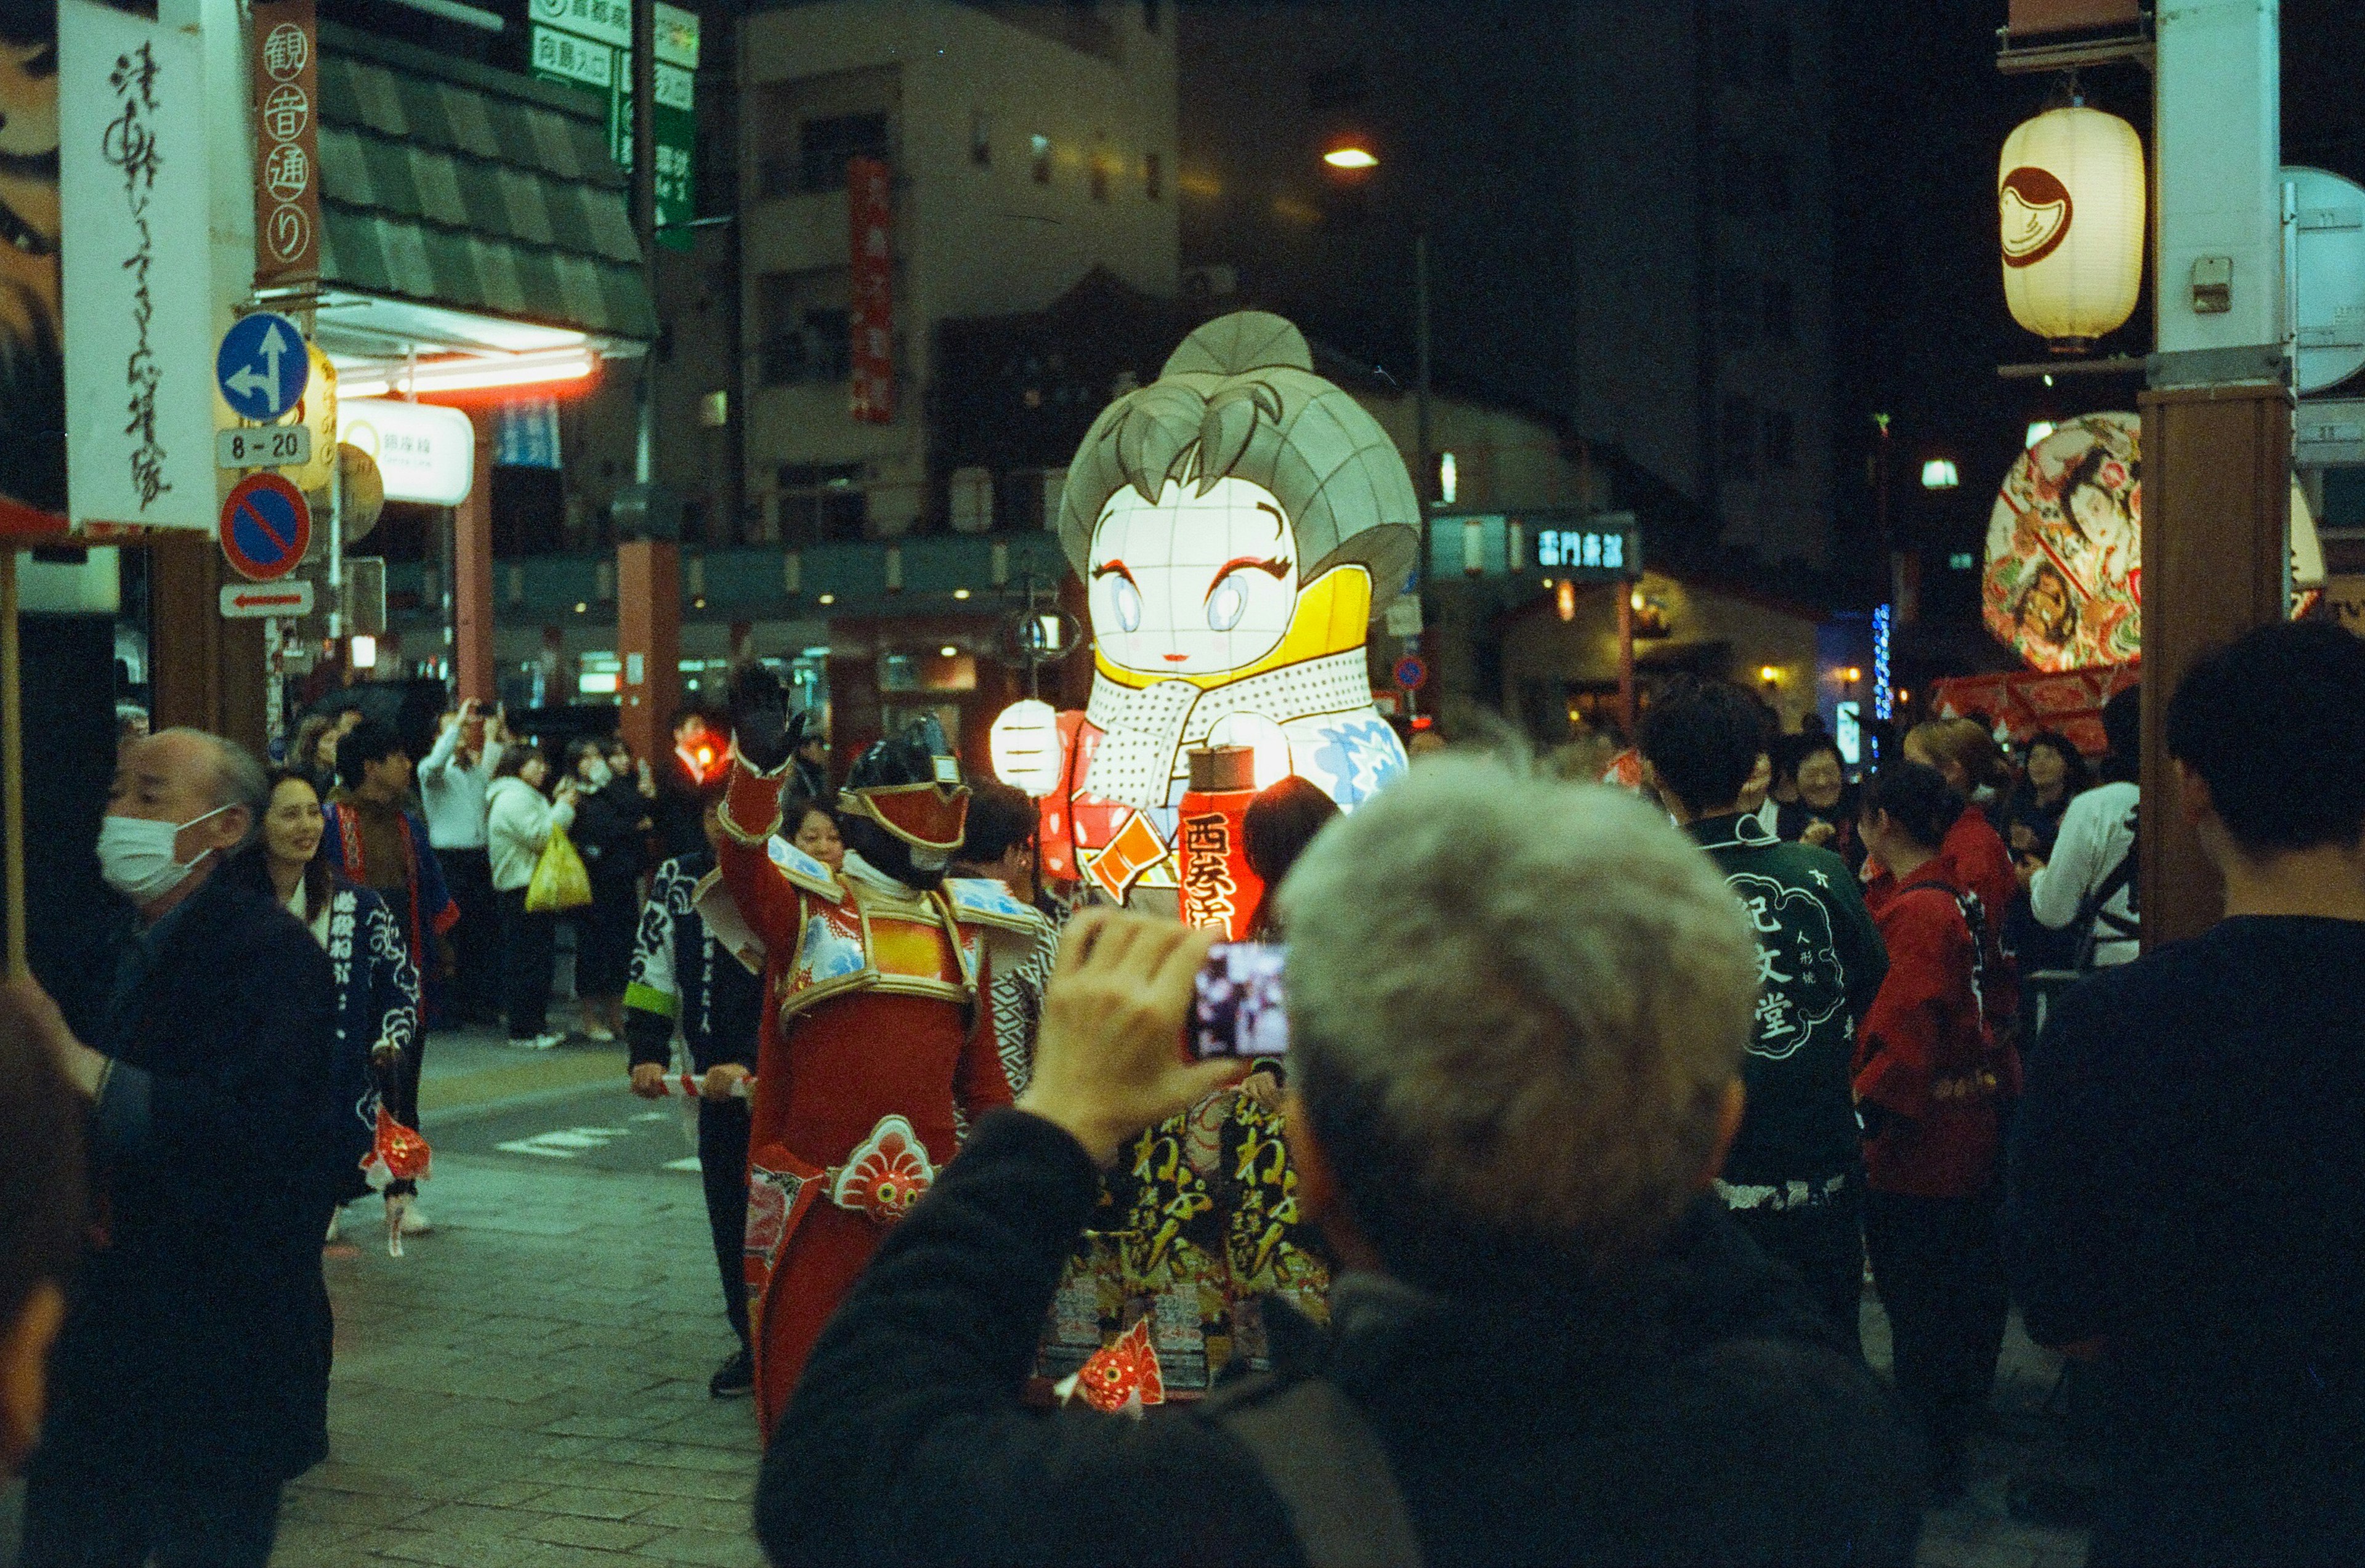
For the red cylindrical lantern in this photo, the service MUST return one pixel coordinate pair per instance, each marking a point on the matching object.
(1218, 889)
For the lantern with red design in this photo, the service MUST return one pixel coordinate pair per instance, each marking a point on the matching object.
(1220, 890)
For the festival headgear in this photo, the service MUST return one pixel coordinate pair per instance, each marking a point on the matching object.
(911, 785)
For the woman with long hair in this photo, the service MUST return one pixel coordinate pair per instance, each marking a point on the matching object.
(518, 821)
(378, 989)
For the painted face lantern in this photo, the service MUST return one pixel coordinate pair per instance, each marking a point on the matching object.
(1238, 524)
(2064, 585)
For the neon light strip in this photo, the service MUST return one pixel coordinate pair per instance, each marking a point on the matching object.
(1881, 703)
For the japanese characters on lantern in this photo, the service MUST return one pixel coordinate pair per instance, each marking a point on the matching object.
(1237, 524)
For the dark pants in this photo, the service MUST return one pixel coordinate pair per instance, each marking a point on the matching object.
(476, 940)
(76, 1517)
(529, 948)
(1824, 1243)
(1940, 1273)
(604, 932)
(398, 1089)
(723, 1127)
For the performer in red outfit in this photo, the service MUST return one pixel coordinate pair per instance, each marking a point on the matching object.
(875, 1038)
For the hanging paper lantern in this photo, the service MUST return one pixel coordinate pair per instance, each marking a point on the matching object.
(1220, 889)
(2064, 586)
(1023, 742)
(2070, 193)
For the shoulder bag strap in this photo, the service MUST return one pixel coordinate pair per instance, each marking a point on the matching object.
(2092, 916)
(1322, 1459)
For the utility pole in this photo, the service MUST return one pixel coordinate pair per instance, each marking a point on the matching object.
(2218, 413)
(644, 216)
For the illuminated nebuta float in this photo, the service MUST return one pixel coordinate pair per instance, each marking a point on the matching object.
(1238, 523)
(2064, 583)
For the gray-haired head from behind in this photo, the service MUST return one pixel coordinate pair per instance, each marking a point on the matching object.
(1516, 1006)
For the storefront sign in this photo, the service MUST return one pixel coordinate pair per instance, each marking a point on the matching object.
(424, 453)
(133, 179)
(287, 143)
(588, 43)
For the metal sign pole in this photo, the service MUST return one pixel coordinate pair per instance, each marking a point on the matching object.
(12, 764)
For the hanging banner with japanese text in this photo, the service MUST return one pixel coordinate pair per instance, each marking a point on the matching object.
(870, 195)
(133, 185)
(287, 143)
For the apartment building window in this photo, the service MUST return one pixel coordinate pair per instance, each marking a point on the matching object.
(1153, 177)
(1738, 437)
(1780, 325)
(822, 501)
(1039, 149)
(981, 138)
(824, 144)
(1781, 441)
(803, 331)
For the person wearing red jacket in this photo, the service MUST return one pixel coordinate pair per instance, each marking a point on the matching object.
(1929, 1077)
(1972, 859)
(874, 1040)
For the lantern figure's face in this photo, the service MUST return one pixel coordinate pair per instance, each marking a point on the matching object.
(1193, 584)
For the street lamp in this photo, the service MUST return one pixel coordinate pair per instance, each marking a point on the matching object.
(1351, 157)
(1938, 474)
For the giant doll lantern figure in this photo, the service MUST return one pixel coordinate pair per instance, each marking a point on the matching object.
(874, 1040)
(1237, 524)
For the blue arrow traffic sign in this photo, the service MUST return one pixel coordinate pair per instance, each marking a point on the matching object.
(261, 367)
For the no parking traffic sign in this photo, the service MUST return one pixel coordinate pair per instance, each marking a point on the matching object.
(1411, 674)
(266, 526)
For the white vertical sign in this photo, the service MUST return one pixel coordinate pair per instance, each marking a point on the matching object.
(133, 196)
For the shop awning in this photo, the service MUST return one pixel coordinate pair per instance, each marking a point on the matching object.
(468, 211)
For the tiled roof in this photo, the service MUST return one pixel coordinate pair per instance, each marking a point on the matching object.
(449, 183)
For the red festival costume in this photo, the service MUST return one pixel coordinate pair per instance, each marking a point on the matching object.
(874, 1036)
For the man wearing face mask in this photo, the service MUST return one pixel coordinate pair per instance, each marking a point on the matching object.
(190, 1382)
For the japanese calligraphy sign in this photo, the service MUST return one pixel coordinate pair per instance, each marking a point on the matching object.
(287, 77)
(133, 185)
(870, 195)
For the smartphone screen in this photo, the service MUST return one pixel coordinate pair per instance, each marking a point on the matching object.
(1237, 1010)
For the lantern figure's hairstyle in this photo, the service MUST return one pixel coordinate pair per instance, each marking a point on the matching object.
(1239, 399)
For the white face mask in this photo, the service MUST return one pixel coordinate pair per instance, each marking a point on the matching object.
(597, 773)
(135, 856)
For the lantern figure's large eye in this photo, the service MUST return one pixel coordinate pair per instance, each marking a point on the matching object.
(1226, 606)
(1128, 605)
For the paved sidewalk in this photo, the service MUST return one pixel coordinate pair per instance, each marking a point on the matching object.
(527, 1387)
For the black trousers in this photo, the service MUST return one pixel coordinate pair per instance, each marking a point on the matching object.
(399, 1091)
(1940, 1272)
(476, 940)
(1824, 1243)
(529, 948)
(722, 1129)
(78, 1518)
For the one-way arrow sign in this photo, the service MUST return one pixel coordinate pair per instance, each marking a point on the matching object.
(252, 601)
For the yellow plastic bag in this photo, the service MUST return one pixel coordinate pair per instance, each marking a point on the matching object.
(560, 883)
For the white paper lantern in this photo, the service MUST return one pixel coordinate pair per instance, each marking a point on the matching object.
(2070, 198)
(1025, 745)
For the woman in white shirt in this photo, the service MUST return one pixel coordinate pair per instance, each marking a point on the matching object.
(518, 820)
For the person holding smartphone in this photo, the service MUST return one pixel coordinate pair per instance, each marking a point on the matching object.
(453, 778)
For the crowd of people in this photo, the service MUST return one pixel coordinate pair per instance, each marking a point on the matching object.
(1546, 1243)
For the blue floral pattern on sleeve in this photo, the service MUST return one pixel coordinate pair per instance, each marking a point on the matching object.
(1356, 758)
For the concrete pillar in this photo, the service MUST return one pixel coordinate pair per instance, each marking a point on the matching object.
(472, 578)
(648, 641)
(2217, 418)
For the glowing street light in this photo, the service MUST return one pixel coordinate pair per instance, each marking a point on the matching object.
(1351, 158)
(1938, 474)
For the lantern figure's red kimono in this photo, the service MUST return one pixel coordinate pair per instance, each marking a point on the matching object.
(873, 1036)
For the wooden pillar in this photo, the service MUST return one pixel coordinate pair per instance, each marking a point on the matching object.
(208, 673)
(648, 641)
(2216, 489)
(472, 578)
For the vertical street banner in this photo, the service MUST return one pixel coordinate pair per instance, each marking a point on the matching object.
(870, 215)
(133, 183)
(287, 143)
(589, 44)
(32, 325)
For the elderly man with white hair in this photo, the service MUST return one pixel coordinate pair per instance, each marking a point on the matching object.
(1518, 1010)
(190, 1381)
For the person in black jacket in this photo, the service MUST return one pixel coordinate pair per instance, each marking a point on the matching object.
(1517, 1008)
(685, 979)
(191, 1381)
(611, 833)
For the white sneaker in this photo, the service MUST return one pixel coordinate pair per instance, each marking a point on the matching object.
(599, 1033)
(537, 1043)
(415, 1221)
